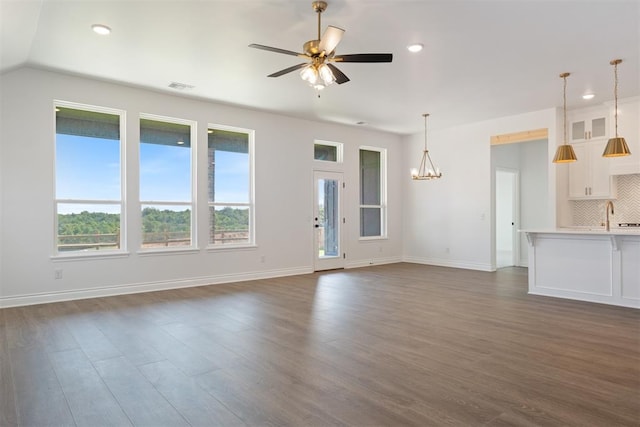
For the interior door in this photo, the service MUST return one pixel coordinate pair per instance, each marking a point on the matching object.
(327, 221)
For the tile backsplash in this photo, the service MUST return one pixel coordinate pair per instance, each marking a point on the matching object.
(627, 205)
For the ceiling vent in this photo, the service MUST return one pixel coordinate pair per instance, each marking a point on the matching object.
(180, 86)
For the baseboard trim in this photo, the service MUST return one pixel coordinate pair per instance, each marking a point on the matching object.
(449, 263)
(134, 288)
(373, 261)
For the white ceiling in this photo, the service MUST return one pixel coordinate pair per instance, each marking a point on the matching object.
(482, 59)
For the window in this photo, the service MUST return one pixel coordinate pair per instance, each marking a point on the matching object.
(230, 159)
(372, 193)
(88, 179)
(166, 196)
(327, 151)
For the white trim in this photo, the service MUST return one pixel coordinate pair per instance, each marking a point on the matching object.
(373, 261)
(449, 263)
(383, 192)
(77, 255)
(251, 136)
(122, 123)
(133, 288)
(339, 152)
(192, 204)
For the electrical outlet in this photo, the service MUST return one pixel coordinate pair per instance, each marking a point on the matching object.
(447, 250)
(263, 259)
(57, 273)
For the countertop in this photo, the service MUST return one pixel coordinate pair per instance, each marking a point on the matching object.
(624, 231)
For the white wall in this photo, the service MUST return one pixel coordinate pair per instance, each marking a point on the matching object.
(284, 179)
(450, 221)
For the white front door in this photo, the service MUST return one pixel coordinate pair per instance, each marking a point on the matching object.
(327, 221)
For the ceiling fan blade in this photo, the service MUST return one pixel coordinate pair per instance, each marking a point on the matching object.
(339, 75)
(277, 50)
(330, 39)
(287, 70)
(364, 57)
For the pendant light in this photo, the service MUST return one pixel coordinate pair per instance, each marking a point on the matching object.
(564, 152)
(426, 169)
(616, 147)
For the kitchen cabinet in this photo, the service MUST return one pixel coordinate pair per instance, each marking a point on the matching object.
(589, 176)
(629, 129)
(588, 124)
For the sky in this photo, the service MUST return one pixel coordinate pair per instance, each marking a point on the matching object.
(88, 168)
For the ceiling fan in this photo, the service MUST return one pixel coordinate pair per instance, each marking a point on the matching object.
(319, 71)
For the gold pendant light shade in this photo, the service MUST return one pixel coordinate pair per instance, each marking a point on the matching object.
(564, 152)
(616, 147)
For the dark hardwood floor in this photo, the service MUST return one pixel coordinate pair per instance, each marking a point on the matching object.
(391, 345)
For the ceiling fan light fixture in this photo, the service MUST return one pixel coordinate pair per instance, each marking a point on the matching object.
(309, 74)
(326, 75)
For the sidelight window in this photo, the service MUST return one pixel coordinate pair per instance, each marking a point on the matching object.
(372, 193)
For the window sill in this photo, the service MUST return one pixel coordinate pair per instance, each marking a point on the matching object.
(231, 248)
(89, 255)
(172, 251)
(372, 239)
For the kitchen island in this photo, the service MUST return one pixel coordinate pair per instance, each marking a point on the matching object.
(588, 264)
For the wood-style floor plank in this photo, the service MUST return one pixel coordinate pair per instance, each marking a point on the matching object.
(399, 344)
(90, 401)
(141, 402)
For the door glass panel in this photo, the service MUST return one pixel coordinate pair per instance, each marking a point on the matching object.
(328, 218)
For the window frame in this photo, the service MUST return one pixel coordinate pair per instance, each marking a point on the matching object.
(193, 204)
(122, 242)
(339, 152)
(383, 194)
(251, 204)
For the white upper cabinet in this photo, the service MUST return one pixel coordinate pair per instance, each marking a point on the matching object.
(629, 129)
(588, 124)
(589, 176)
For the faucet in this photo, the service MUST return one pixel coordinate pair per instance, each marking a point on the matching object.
(606, 210)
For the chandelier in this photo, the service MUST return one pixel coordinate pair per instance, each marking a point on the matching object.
(426, 169)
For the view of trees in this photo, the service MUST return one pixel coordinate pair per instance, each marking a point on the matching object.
(99, 227)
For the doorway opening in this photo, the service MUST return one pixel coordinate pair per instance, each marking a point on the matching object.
(507, 217)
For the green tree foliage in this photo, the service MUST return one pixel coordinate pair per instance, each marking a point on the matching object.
(86, 226)
(227, 219)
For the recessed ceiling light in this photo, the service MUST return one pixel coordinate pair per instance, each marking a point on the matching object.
(416, 47)
(588, 96)
(103, 30)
